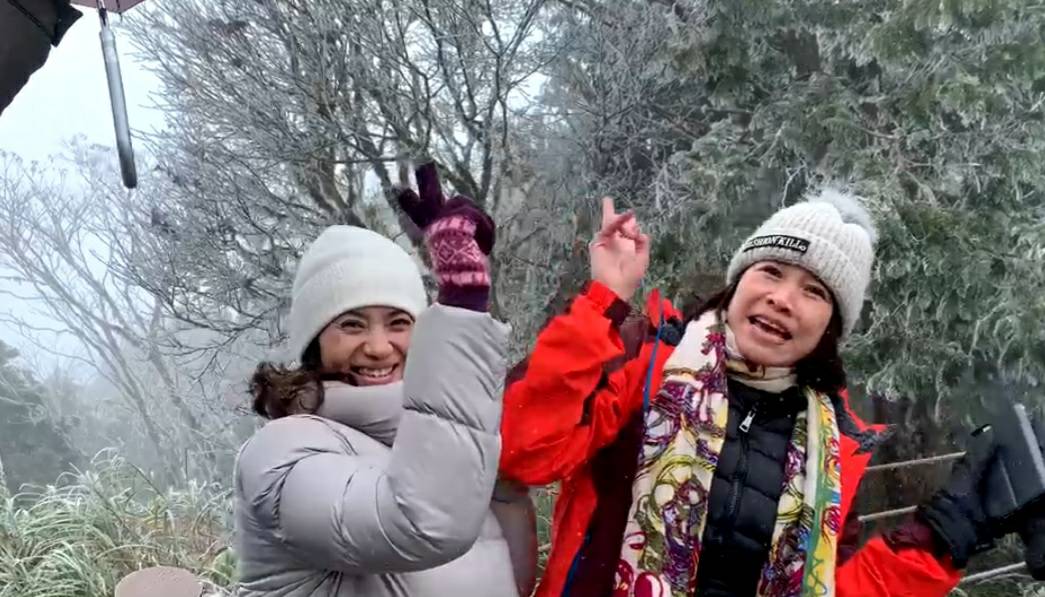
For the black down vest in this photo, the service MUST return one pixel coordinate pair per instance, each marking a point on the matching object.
(746, 489)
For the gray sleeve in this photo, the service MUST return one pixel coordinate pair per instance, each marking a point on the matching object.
(426, 507)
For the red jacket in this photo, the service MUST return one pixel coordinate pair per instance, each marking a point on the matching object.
(572, 415)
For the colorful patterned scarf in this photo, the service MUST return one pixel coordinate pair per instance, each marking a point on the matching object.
(685, 427)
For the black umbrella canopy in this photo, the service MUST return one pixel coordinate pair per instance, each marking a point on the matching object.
(28, 30)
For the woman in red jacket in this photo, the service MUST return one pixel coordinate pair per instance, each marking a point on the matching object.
(715, 454)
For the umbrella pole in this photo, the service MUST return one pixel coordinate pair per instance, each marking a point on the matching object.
(118, 101)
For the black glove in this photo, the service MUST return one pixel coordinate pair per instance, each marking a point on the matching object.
(956, 513)
(1032, 531)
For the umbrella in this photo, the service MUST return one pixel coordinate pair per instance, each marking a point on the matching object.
(24, 49)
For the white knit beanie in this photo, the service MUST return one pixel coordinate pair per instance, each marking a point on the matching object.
(831, 235)
(348, 268)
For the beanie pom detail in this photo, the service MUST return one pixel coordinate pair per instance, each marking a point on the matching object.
(850, 207)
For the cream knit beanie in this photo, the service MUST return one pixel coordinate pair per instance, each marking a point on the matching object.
(347, 268)
(831, 235)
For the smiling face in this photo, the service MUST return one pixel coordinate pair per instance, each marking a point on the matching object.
(369, 345)
(778, 313)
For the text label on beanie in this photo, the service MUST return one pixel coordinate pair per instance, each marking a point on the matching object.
(782, 241)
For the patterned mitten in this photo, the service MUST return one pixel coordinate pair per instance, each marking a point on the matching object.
(459, 237)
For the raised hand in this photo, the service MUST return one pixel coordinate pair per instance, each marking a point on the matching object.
(957, 512)
(619, 252)
(459, 237)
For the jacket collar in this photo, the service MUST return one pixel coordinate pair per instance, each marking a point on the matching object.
(373, 410)
(656, 305)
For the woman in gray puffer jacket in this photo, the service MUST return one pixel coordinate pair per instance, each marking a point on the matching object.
(375, 475)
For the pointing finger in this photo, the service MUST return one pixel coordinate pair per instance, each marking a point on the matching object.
(608, 211)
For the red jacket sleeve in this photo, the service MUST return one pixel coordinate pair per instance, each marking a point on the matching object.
(562, 404)
(899, 565)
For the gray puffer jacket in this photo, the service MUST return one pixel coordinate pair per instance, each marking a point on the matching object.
(328, 505)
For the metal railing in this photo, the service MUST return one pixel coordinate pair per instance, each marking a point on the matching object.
(993, 573)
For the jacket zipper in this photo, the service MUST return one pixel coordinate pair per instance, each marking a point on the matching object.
(740, 475)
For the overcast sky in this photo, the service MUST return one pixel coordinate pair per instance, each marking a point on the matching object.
(68, 97)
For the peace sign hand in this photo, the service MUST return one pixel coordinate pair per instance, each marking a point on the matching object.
(619, 252)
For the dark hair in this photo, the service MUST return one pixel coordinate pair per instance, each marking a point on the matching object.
(822, 369)
(280, 390)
